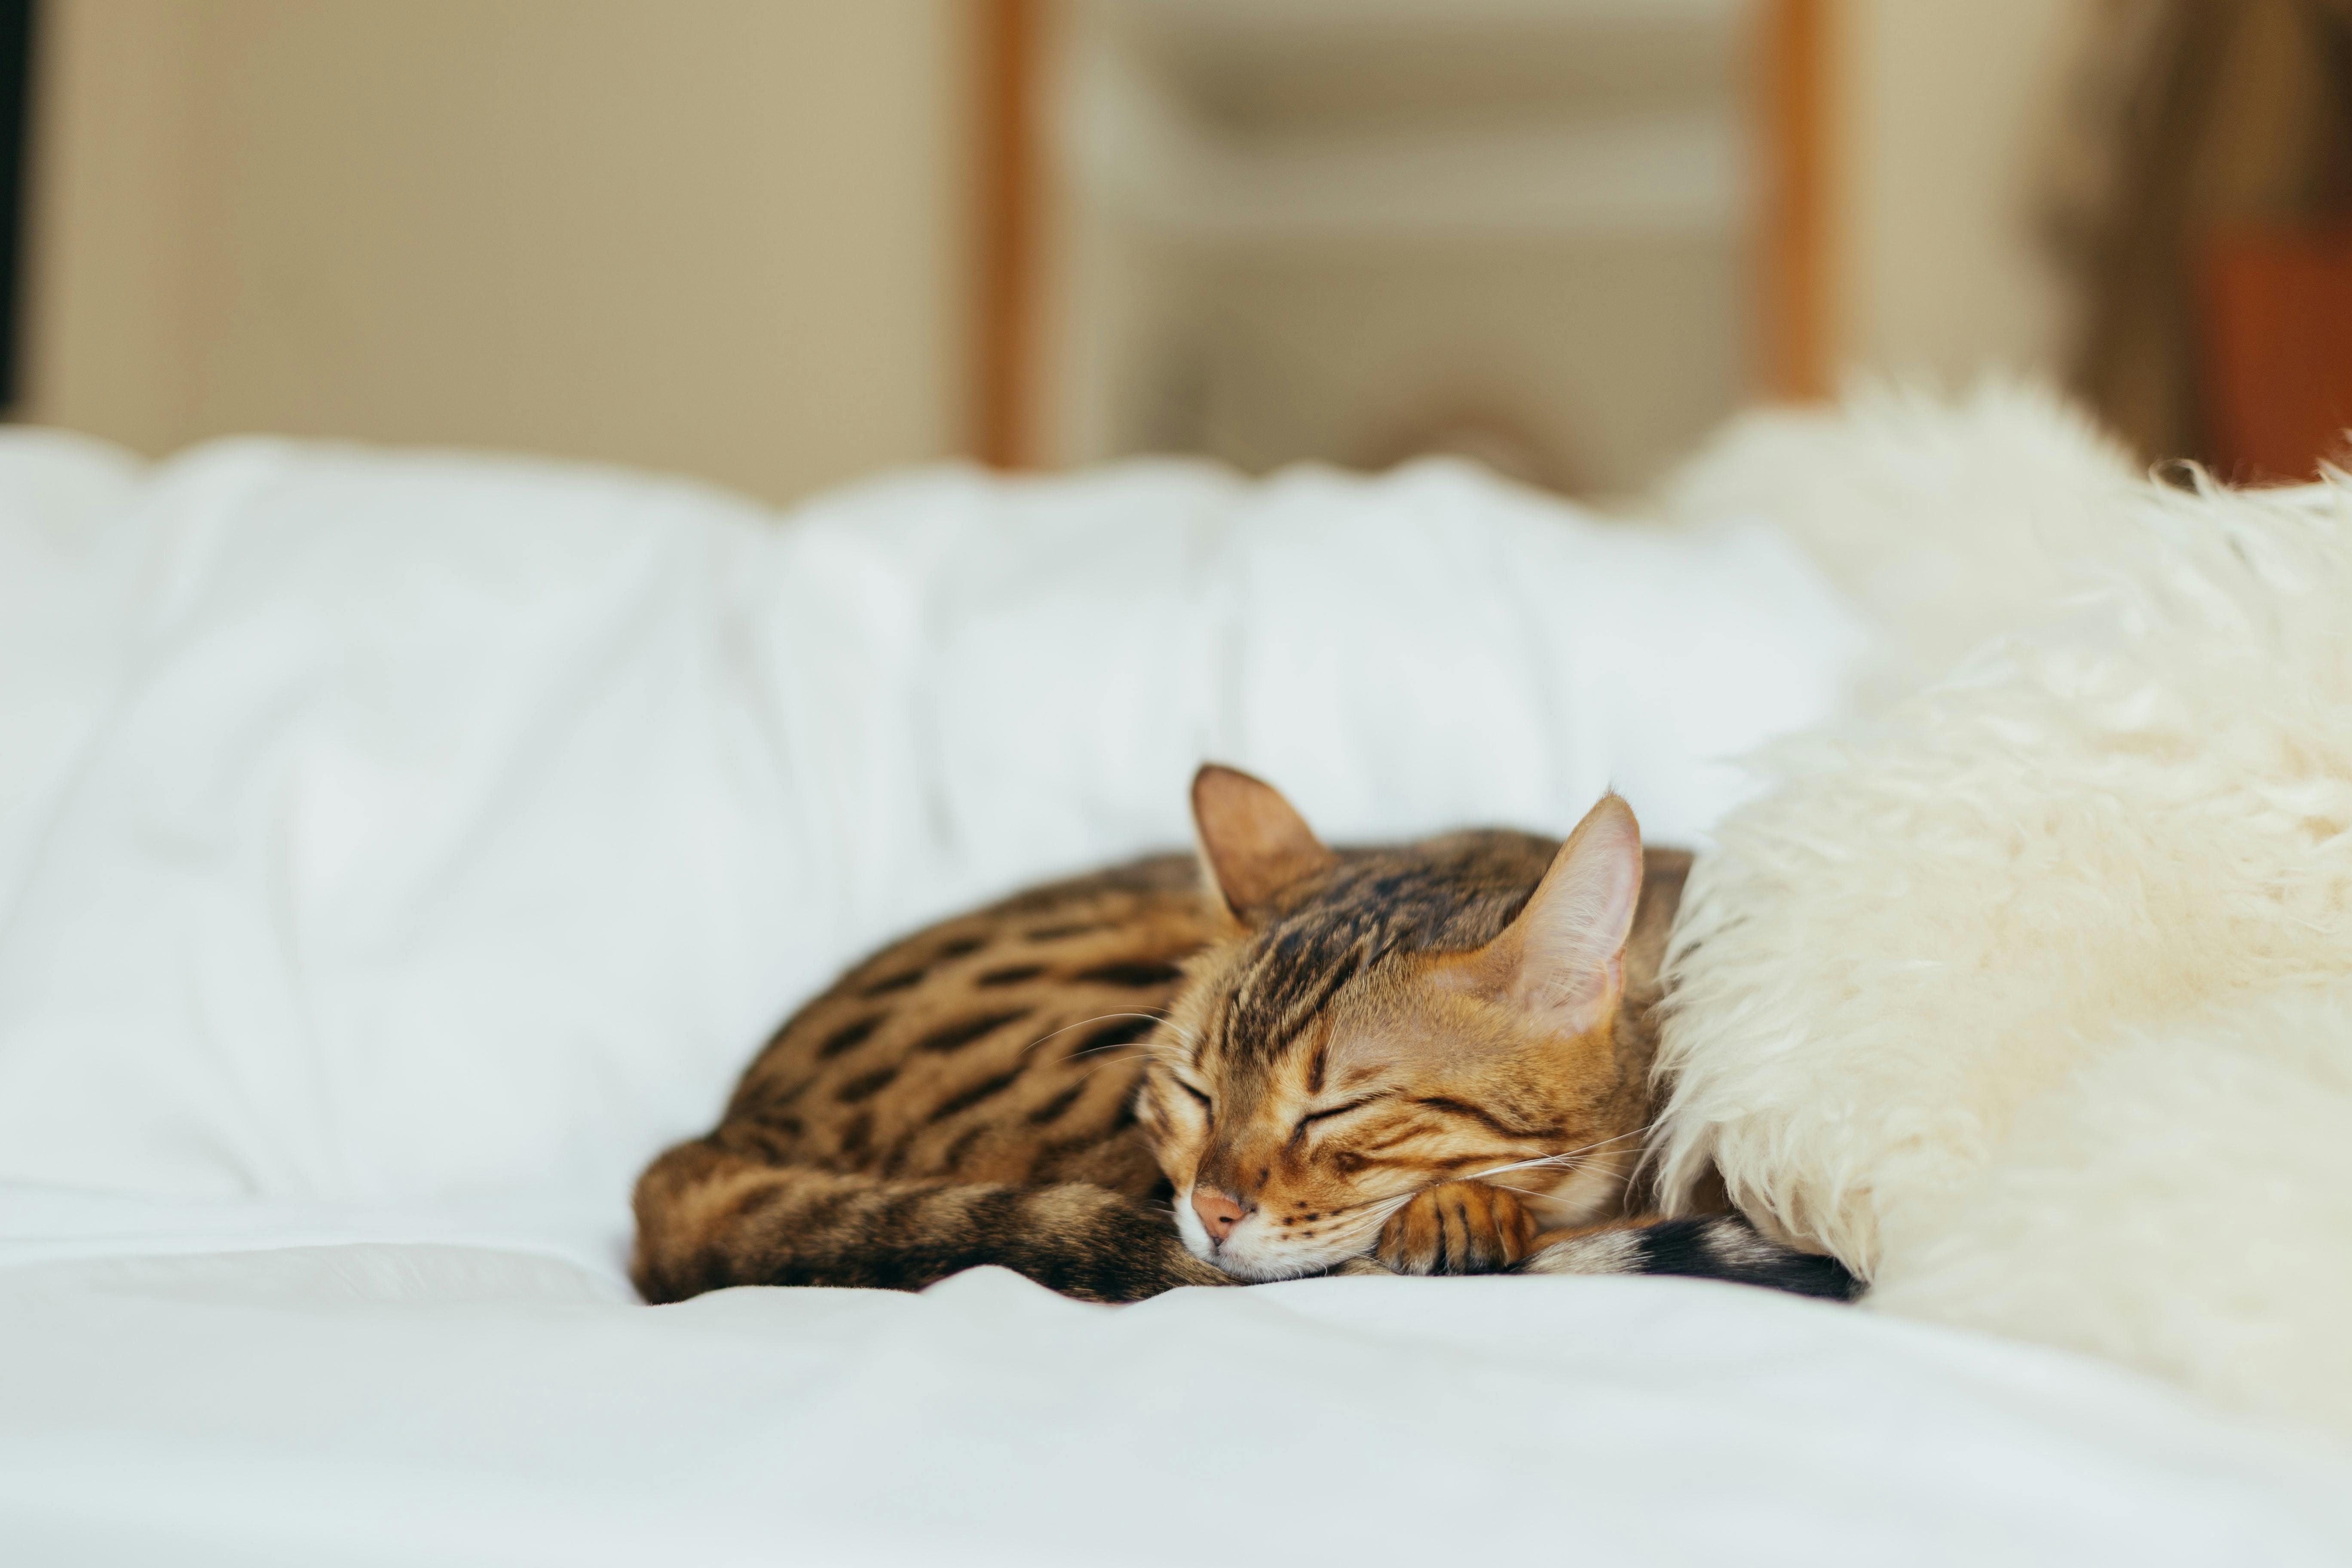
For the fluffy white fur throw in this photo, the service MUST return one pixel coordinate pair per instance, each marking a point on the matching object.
(1945, 522)
(2031, 997)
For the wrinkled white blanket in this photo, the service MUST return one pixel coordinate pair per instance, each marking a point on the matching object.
(396, 827)
(395, 850)
(407, 1406)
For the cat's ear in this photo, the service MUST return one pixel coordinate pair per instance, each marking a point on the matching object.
(1253, 843)
(1562, 961)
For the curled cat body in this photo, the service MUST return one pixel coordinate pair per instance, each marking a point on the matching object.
(1274, 1060)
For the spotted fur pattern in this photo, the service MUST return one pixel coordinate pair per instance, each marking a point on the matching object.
(965, 1096)
(1060, 1082)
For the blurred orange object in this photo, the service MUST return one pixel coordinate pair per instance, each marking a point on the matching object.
(2277, 332)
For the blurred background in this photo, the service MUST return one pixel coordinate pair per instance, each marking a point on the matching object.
(780, 243)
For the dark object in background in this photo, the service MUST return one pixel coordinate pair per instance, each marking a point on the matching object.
(2210, 166)
(15, 102)
(2277, 347)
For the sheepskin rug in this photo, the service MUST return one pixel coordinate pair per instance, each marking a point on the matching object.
(1946, 521)
(2030, 996)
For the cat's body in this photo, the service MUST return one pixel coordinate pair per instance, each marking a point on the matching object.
(995, 1050)
(1017, 1086)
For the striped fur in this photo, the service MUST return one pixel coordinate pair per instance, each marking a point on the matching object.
(965, 1096)
(1703, 1247)
(1320, 1053)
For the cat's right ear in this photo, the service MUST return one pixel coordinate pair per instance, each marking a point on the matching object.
(1253, 843)
(1562, 961)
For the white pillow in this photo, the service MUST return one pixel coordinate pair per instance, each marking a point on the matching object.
(426, 826)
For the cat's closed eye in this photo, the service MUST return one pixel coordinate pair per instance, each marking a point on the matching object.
(1300, 1131)
(1197, 1094)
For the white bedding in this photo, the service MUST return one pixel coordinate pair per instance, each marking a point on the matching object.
(401, 827)
(373, 1404)
(395, 850)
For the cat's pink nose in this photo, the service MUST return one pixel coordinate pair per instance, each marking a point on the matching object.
(1219, 1212)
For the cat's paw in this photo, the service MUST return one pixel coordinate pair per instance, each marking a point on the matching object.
(1461, 1227)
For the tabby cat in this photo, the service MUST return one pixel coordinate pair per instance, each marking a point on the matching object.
(1434, 1056)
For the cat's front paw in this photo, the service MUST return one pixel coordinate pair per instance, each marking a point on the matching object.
(1461, 1227)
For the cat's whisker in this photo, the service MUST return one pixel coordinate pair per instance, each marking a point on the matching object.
(1578, 1156)
(1378, 1210)
(1098, 1018)
(1107, 1061)
(1528, 1192)
(1642, 1131)
(1554, 1162)
(1563, 1155)
(1116, 1045)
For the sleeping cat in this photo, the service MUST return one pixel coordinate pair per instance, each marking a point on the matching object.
(1436, 1056)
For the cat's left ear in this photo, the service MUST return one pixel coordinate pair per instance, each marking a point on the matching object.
(1254, 844)
(1562, 961)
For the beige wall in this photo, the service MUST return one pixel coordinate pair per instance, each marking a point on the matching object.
(1943, 117)
(720, 236)
(727, 237)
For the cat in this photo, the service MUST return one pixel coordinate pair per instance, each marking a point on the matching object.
(1433, 1057)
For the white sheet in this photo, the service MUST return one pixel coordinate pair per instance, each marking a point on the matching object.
(395, 850)
(405, 827)
(47, 1225)
(374, 1404)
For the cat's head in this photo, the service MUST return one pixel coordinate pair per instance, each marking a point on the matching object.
(1377, 1022)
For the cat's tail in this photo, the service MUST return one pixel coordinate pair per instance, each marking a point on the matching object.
(1707, 1246)
(709, 1218)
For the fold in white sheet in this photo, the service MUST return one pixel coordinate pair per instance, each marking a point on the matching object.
(372, 1405)
(402, 826)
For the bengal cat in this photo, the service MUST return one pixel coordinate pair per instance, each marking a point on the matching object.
(1436, 1056)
